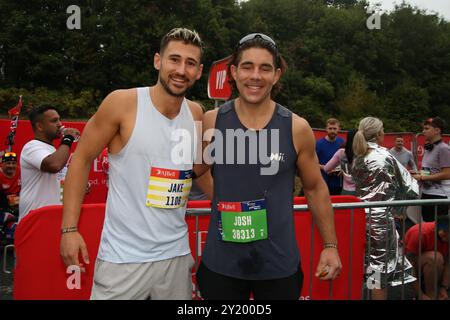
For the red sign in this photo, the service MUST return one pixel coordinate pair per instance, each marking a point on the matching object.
(218, 86)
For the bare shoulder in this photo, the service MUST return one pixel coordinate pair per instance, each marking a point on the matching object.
(299, 124)
(118, 102)
(209, 119)
(302, 133)
(196, 110)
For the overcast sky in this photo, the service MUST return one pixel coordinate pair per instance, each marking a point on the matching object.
(442, 7)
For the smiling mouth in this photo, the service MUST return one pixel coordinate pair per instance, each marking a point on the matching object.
(178, 81)
(254, 88)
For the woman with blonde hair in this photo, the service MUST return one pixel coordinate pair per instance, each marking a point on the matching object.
(380, 177)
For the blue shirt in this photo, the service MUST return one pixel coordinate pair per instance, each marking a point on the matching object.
(325, 151)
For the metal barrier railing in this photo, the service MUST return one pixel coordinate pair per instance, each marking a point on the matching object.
(5, 260)
(369, 206)
(198, 212)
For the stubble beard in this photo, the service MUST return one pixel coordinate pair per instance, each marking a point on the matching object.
(169, 91)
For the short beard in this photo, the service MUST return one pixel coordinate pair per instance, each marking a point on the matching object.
(169, 91)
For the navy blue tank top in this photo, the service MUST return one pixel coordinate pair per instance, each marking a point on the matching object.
(278, 255)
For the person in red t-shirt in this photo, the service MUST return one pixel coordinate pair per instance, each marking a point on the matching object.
(9, 196)
(428, 263)
(10, 182)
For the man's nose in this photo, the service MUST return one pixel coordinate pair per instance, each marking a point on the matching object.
(256, 74)
(181, 68)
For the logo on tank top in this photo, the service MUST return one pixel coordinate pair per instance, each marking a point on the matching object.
(277, 157)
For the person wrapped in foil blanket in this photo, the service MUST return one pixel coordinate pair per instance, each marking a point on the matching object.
(380, 177)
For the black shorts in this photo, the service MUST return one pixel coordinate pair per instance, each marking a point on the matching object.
(215, 286)
(428, 211)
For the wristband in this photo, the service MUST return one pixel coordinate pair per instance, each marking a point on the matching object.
(330, 245)
(67, 230)
(68, 140)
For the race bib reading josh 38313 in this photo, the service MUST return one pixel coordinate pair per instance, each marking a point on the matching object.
(243, 221)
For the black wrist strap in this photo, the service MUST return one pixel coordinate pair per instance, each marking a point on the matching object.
(67, 140)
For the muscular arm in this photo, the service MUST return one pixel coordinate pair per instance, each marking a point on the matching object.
(316, 193)
(204, 179)
(98, 132)
(57, 160)
(208, 124)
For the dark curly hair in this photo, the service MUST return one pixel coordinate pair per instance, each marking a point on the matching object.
(257, 42)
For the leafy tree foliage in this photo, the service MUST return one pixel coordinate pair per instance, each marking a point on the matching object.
(337, 66)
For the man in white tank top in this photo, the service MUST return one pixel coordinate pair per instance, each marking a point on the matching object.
(144, 251)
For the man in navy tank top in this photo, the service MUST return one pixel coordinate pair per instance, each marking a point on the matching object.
(255, 147)
(144, 250)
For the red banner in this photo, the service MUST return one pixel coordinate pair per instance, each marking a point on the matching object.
(321, 133)
(15, 111)
(218, 86)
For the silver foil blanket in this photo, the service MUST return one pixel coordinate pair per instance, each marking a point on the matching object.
(380, 177)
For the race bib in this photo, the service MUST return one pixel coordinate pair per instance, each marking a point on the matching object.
(168, 189)
(243, 222)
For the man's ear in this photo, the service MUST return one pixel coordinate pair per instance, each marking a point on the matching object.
(277, 75)
(39, 126)
(157, 61)
(233, 71)
(200, 70)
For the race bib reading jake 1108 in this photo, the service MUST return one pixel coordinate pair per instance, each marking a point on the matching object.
(243, 221)
(168, 189)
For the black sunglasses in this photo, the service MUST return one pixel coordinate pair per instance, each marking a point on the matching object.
(252, 36)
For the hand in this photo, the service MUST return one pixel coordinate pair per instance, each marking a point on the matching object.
(416, 176)
(443, 294)
(330, 265)
(72, 243)
(425, 297)
(71, 131)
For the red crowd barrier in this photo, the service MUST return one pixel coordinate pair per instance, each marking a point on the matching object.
(41, 274)
(321, 133)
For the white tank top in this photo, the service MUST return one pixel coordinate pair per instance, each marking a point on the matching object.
(148, 188)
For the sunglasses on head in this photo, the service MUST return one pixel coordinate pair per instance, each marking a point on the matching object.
(252, 36)
(10, 154)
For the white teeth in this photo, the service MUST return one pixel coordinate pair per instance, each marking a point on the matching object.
(178, 80)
